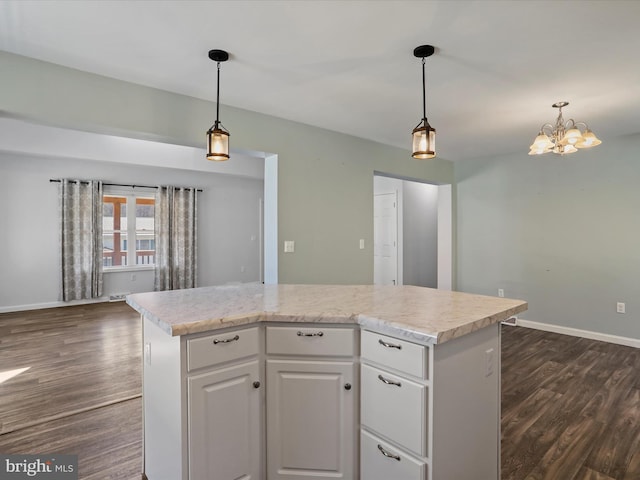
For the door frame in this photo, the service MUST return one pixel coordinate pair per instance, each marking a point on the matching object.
(392, 184)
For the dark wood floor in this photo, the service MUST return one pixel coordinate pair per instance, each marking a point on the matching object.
(81, 393)
(570, 407)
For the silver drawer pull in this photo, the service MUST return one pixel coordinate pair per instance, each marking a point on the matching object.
(387, 454)
(389, 382)
(389, 345)
(302, 334)
(228, 340)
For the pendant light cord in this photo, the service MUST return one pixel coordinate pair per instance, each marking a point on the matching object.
(218, 97)
(424, 93)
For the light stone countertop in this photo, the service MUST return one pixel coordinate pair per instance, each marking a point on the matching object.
(415, 313)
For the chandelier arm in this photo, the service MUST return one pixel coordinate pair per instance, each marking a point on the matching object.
(547, 129)
(585, 126)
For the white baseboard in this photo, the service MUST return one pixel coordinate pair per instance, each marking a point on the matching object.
(40, 306)
(575, 332)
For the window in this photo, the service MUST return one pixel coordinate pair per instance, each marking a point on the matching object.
(119, 227)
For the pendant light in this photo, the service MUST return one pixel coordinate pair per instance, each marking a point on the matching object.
(424, 135)
(218, 136)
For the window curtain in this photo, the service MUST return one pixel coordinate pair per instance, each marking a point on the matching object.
(80, 205)
(175, 232)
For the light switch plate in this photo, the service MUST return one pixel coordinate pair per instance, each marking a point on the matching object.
(289, 246)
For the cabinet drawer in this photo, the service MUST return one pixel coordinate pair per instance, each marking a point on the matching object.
(381, 461)
(395, 407)
(223, 347)
(310, 341)
(407, 357)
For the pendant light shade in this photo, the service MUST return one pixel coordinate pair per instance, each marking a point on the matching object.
(424, 135)
(217, 135)
(424, 141)
(217, 143)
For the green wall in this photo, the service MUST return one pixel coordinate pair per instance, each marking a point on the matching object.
(561, 232)
(325, 179)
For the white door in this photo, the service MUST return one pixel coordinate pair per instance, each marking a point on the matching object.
(311, 420)
(385, 239)
(224, 424)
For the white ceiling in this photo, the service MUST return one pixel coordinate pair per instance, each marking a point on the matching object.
(349, 65)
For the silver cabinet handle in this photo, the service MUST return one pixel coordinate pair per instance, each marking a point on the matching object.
(389, 382)
(302, 334)
(228, 340)
(389, 345)
(387, 454)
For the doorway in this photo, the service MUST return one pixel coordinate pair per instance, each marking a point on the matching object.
(412, 233)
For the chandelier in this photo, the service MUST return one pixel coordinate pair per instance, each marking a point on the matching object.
(563, 137)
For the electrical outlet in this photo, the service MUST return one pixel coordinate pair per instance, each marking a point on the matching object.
(501, 292)
(289, 246)
(621, 307)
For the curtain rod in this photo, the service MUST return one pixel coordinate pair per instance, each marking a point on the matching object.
(57, 180)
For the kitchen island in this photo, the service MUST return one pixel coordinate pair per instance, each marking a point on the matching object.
(321, 381)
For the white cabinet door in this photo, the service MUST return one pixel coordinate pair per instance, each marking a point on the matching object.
(310, 419)
(224, 424)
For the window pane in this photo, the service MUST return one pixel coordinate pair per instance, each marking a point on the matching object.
(111, 225)
(112, 212)
(116, 242)
(145, 212)
(145, 239)
(107, 216)
(107, 242)
(123, 248)
(145, 248)
(107, 249)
